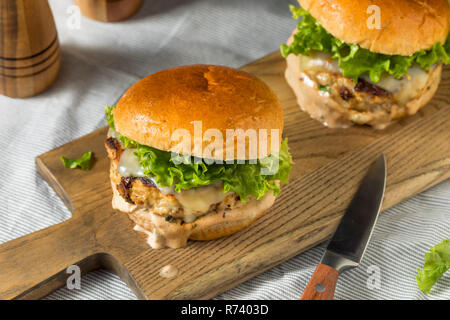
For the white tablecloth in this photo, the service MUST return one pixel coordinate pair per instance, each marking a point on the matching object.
(99, 61)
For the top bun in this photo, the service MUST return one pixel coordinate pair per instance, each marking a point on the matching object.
(161, 109)
(406, 26)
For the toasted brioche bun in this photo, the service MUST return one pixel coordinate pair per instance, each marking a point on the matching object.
(157, 107)
(406, 26)
(334, 115)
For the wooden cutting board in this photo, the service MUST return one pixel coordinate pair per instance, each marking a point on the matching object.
(329, 165)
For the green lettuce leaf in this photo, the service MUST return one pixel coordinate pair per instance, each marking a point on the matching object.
(354, 60)
(109, 116)
(245, 179)
(437, 262)
(83, 163)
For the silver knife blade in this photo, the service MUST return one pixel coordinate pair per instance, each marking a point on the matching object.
(348, 244)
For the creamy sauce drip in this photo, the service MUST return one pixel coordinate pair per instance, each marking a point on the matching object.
(161, 233)
(154, 238)
(168, 271)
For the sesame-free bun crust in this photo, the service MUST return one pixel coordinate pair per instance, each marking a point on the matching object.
(406, 27)
(222, 98)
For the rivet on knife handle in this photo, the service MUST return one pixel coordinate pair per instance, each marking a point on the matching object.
(322, 284)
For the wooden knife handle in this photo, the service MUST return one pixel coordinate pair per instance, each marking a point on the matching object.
(322, 284)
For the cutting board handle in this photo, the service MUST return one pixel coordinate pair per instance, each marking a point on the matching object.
(322, 284)
(36, 264)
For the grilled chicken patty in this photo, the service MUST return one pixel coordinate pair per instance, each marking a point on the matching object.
(143, 192)
(362, 97)
(338, 102)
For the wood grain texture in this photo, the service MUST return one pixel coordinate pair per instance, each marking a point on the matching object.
(324, 276)
(108, 10)
(29, 48)
(329, 165)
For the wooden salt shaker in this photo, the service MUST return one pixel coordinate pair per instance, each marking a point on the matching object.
(108, 10)
(29, 48)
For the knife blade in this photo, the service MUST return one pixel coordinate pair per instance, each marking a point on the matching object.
(348, 244)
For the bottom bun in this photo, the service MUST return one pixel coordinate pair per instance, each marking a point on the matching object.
(174, 234)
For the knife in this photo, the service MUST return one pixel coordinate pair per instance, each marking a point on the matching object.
(348, 244)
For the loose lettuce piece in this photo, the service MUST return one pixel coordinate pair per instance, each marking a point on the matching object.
(83, 163)
(245, 179)
(437, 262)
(354, 60)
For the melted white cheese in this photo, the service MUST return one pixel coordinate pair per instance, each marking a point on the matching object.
(129, 165)
(404, 89)
(197, 201)
(113, 133)
(408, 87)
(319, 61)
(165, 190)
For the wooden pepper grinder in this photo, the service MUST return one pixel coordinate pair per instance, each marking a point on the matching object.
(108, 10)
(29, 47)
